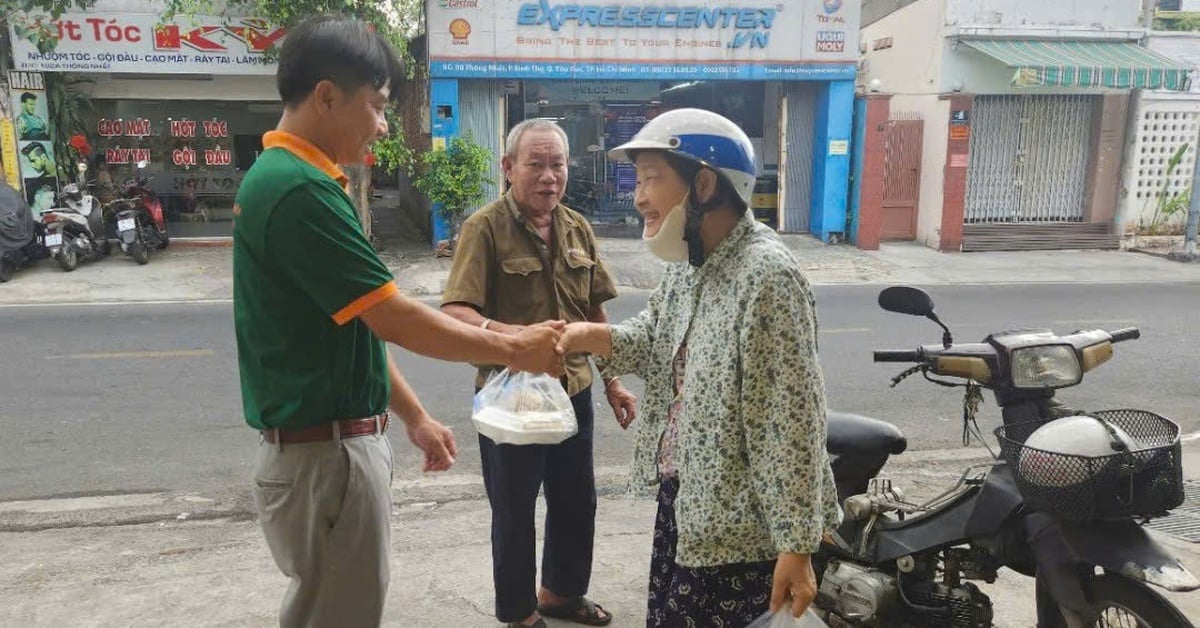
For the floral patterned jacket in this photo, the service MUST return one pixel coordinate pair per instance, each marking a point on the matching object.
(754, 475)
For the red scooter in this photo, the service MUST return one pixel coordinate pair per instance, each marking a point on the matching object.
(141, 224)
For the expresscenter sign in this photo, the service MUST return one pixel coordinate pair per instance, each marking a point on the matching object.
(612, 16)
(797, 39)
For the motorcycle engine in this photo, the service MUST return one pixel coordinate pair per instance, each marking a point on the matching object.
(963, 606)
(862, 596)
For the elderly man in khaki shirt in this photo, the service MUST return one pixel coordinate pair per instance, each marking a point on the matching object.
(520, 260)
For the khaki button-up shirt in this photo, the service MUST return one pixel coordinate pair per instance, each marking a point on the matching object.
(506, 271)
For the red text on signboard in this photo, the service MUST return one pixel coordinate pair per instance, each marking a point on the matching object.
(216, 128)
(126, 155)
(218, 157)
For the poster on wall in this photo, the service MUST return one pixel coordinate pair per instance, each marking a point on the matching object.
(135, 42)
(622, 122)
(8, 153)
(35, 150)
(664, 40)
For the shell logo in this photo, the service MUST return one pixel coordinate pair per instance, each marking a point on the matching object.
(460, 29)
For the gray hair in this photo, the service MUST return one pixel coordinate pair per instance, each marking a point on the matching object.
(533, 124)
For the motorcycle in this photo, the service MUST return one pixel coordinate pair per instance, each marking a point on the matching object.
(74, 231)
(20, 235)
(1069, 518)
(141, 224)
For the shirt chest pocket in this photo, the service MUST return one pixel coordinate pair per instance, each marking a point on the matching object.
(521, 266)
(577, 280)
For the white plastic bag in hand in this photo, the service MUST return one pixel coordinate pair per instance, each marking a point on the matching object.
(524, 409)
(783, 619)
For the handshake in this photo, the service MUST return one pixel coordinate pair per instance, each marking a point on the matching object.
(541, 348)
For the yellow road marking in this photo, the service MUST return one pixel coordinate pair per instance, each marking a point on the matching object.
(193, 353)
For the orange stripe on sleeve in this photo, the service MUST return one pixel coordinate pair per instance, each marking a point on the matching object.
(365, 302)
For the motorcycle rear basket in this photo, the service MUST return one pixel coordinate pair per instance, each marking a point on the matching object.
(1146, 481)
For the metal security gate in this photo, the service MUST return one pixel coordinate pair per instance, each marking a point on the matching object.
(901, 178)
(1029, 158)
(797, 182)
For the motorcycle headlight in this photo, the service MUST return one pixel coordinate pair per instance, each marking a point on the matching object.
(1053, 366)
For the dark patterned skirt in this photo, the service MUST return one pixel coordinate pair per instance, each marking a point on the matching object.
(725, 596)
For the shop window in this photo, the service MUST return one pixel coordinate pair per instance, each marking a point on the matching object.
(198, 152)
(598, 115)
(246, 149)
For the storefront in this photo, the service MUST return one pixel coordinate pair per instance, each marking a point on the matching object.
(783, 72)
(192, 99)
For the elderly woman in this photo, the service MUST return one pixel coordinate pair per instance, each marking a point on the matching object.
(733, 427)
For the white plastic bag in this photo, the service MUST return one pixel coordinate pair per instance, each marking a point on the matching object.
(783, 619)
(524, 409)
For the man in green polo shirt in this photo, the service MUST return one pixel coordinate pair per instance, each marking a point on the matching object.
(313, 307)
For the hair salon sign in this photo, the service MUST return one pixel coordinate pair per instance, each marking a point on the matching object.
(138, 42)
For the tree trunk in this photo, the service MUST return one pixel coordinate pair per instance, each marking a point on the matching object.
(360, 193)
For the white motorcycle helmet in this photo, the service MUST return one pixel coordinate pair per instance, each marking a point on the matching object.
(704, 138)
(1080, 436)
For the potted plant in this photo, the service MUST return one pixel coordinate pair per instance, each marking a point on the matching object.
(454, 180)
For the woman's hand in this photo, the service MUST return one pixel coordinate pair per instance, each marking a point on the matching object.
(794, 579)
(591, 338)
(623, 402)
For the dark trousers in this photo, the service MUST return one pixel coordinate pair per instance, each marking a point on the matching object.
(699, 597)
(512, 475)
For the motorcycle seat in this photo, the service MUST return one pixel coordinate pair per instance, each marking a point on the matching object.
(853, 434)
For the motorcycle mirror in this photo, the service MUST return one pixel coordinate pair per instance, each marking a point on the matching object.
(906, 300)
(916, 302)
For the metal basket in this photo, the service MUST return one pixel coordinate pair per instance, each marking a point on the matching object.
(1143, 482)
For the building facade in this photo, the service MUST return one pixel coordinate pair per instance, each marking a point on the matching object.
(192, 98)
(783, 71)
(1024, 107)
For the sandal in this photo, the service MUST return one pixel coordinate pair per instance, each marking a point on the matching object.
(593, 614)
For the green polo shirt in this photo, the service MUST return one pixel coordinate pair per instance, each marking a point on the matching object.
(303, 272)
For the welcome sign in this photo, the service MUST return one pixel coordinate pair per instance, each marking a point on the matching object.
(665, 40)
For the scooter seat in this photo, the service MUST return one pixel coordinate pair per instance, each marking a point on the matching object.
(854, 434)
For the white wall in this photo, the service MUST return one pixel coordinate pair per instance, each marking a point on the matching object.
(1019, 13)
(251, 88)
(1178, 126)
(913, 64)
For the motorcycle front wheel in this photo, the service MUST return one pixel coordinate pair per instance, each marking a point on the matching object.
(68, 257)
(1118, 602)
(138, 252)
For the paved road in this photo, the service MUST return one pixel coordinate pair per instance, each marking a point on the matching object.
(106, 399)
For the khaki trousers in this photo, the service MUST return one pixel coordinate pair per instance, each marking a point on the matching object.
(325, 510)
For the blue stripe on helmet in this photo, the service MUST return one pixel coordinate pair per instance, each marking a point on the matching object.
(718, 151)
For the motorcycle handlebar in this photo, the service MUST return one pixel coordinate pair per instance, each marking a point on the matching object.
(898, 356)
(1129, 333)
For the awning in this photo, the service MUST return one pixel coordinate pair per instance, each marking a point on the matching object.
(1119, 65)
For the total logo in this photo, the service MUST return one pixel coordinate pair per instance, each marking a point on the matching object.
(830, 16)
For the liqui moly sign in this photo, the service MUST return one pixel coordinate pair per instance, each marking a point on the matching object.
(138, 43)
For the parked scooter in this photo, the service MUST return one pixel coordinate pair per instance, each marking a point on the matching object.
(20, 235)
(1063, 503)
(74, 231)
(141, 225)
